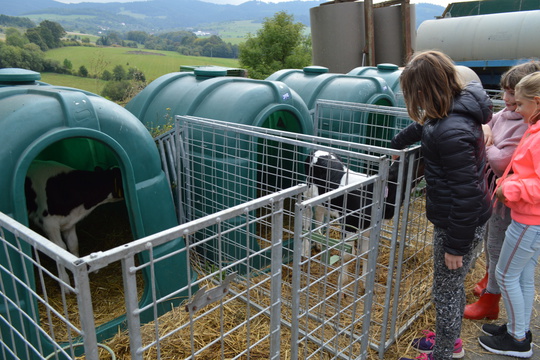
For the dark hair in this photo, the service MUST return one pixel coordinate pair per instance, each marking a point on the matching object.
(429, 83)
(510, 79)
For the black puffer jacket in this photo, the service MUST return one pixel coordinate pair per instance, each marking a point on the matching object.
(455, 160)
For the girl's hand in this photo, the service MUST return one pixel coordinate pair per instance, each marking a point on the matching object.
(453, 262)
(488, 135)
(500, 195)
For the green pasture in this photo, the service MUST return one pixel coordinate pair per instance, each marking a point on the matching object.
(92, 85)
(152, 63)
(93, 38)
(233, 32)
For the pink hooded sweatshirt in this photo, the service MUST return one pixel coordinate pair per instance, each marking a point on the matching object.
(508, 128)
(522, 187)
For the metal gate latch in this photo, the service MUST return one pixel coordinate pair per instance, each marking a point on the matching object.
(203, 297)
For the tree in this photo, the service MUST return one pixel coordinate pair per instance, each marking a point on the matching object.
(11, 56)
(33, 57)
(119, 73)
(54, 33)
(106, 75)
(279, 44)
(83, 71)
(136, 74)
(137, 36)
(68, 64)
(48, 35)
(15, 38)
(98, 64)
(28, 57)
(34, 36)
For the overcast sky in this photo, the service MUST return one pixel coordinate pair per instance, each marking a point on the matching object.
(236, 2)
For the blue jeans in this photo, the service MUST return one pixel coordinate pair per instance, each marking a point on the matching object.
(515, 275)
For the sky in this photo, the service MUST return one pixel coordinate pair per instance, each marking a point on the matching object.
(236, 2)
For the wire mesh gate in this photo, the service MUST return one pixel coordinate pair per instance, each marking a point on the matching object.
(404, 295)
(264, 160)
(405, 247)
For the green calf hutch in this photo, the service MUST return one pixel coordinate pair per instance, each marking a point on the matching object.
(82, 130)
(229, 71)
(225, 172)
(388, 72)
(391, 73)
(316, 83)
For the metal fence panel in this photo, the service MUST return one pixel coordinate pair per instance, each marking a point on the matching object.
(266, 160)
(405, 244)
(401, 291)
(33, 326)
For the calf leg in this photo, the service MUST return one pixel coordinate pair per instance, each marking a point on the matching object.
(54, 235)
(349, 265)
(364, 249)
(70, 235)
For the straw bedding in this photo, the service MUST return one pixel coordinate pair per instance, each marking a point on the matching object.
(107, 291)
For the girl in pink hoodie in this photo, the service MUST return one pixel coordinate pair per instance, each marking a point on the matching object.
(502, 135)
(519, 189)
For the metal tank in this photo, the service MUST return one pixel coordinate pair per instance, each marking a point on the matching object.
(488, 44)
(338, 35)
(504, 36)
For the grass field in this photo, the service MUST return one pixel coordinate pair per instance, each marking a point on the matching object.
(152, 63)
(233, 32)
(93, 38)
(93, 85)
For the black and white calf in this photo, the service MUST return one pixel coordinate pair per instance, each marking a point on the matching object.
(58, 197)
(325, 172)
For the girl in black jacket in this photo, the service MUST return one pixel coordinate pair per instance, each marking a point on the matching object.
(448, 121)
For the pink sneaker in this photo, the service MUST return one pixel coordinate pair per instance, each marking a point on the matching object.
(422, 356)
(426, 344)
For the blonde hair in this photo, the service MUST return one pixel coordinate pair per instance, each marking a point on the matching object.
(510, 78)
(430, 83)
(529, 88)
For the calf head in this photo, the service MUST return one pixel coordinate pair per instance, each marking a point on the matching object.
(325, 170)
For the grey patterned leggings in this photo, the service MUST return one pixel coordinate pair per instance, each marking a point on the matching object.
(449, 294)
(496, 230)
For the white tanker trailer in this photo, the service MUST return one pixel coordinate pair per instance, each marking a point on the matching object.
(488, 44)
